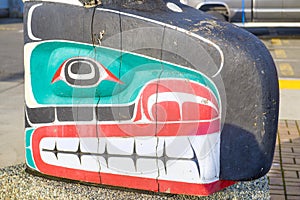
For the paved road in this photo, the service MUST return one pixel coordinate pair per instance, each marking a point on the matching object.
(286, 54)
(284, 176)
(11, 93)
(11, 51)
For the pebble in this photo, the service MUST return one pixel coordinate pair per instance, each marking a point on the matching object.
(16, 183)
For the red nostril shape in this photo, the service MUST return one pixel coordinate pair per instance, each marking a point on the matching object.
(111, 76)
(57, 76)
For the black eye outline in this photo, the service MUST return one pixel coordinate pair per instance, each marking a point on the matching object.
(82, 72)
(86, 75)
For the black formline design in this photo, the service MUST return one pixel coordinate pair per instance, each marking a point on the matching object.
(45, 115)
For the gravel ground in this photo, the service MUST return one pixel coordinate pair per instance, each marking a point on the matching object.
(16, 183)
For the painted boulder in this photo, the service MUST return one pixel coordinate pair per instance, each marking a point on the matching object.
(154, 96)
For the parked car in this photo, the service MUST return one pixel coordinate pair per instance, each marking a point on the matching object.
(4, 8)
(250, 10)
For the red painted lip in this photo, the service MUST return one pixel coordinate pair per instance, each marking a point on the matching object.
(71, 131)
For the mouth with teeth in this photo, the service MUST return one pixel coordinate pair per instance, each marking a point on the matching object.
(171, 143)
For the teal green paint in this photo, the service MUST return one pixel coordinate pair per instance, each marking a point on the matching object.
(28, 134)
(29, 159)
(28, 152)
(135, 71)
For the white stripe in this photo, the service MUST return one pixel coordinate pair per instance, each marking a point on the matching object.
(127, 122)
(30, 34)
(179, 97)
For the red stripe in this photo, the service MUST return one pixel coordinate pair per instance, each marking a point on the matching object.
(192, 188)
(132, 130)
(130, 182)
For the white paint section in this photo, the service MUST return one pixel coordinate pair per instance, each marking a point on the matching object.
(69, 161)
(177, 158)
(122, 165)
(29, 22)
(104, 166)
(144, 168)
(207, 149)
(147, 168)
(180, 170)
(67, 144)
(160, 146)
(90, 163)
(174, 7)
(92, 145)
(178, 147)
(47, 143)
(179, 97)
(146, 146)
(50, 158)
(72, 2)
(120, 146)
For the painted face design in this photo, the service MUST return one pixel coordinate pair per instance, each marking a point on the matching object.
(162, 138)
(141, 107)
(168, 136)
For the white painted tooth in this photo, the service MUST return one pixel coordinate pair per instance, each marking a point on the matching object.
(104, 167)
(47, 143)
(101, 145)
(68, 160)
(178, 147)
(120, 146)
(207, 149)
(88, 145)
(92, 145)
(160, 146)
(49, 158)
(204, 144)
(147, 167)
(67, 144)
(161, 168)
(181, 170)
(90, 163)
(146, 146)
(121, 165)
(210, 165)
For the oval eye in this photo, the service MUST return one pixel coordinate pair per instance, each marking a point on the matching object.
(82, 72)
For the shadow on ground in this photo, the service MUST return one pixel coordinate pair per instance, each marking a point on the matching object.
(16, 77)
